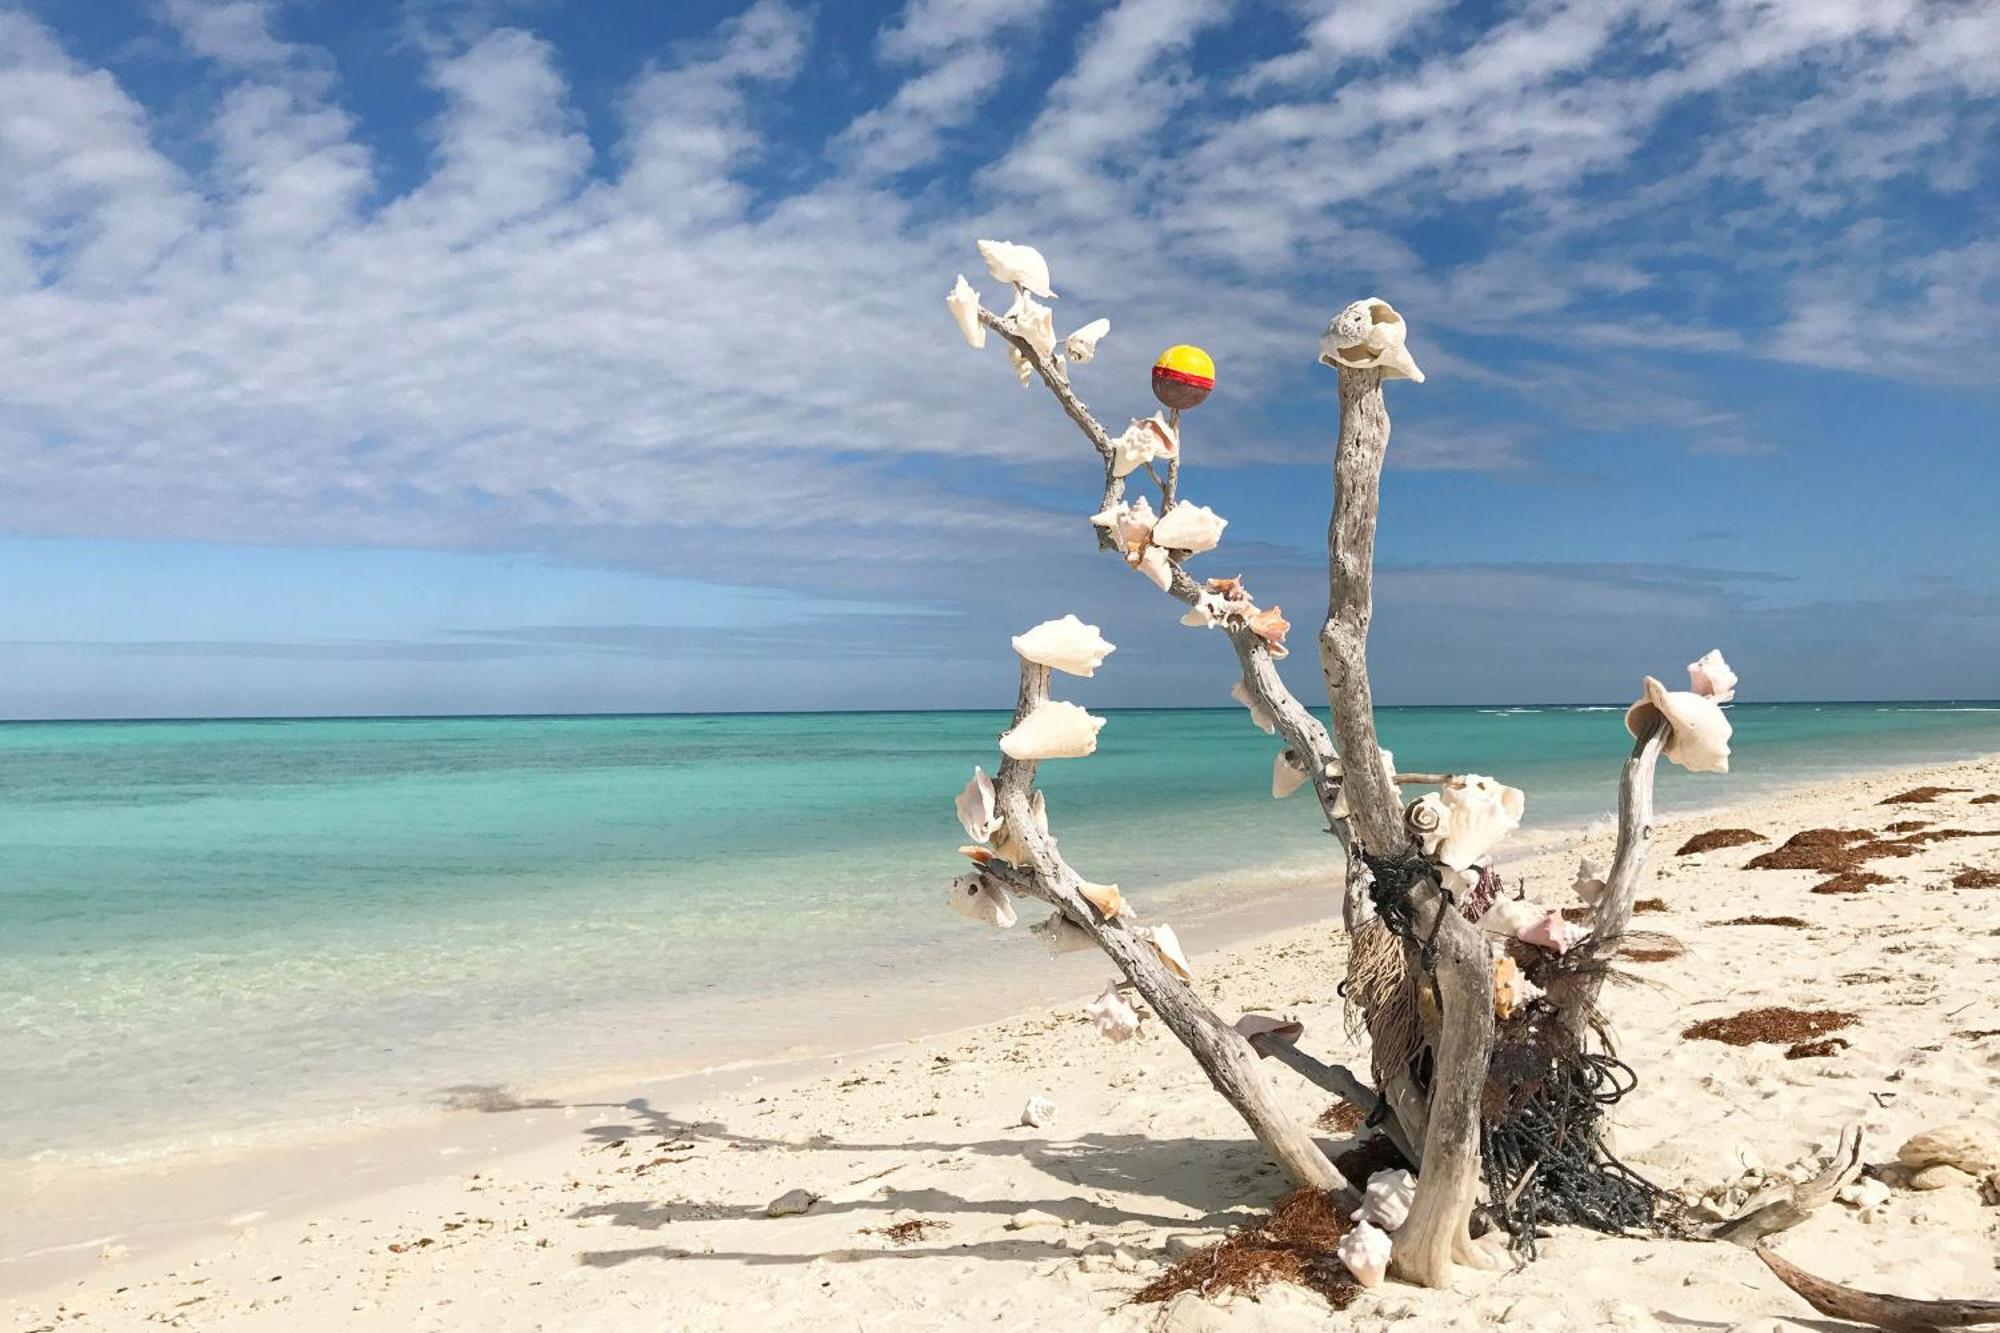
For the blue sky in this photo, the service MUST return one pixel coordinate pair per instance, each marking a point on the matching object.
(379, 357)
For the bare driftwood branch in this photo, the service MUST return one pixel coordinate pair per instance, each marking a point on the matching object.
(1613, 911)
(1900, 1314)
(1438, 1228)
(1223, 1053)
(1750, 1229)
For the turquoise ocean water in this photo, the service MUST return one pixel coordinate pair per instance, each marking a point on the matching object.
(207, 927)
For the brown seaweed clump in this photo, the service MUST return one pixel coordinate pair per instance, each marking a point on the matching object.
(1850, 881)
(1790, 921)
(1974, 878)
(1777, 1025)
(1919, 795)
(1816, 1050)
(1989, 798)
(1650, 955)
(1906, 826)
(1341, 1118)
(1650, 905)
(913, 1230)
(1295, 1244)
(1717, 838)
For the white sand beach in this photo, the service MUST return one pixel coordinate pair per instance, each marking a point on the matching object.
(643, 1212)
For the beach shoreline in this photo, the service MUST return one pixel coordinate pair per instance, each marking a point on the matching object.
(75, 1242)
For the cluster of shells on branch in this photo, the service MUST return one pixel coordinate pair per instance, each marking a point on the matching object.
(1698, 729)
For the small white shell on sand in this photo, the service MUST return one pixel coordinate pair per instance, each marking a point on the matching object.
(963, 302)
(1366, 1250)
(1021, 265)
(1259, 716)
(1082, 345)
(1698, 739)
(980, 898)
(1065, 645)
(1053, 729)
(1115, 1020)
(1386, 1203)
(1712, 678)
(1039, 1112)
(1369, 335)
(1189, 527)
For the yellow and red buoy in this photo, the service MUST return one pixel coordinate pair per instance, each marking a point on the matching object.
(1183, 376)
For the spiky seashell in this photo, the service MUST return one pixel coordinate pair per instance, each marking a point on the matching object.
(1053, 729)
(1134, 527)
(1508, 917)
(1366, 1250)
(1712, 678)
(963, 303)
(1021, 265)
(976, 809)
(1024, 369)
(1206, 611)
(1259, 715)
(1039, 1113)
(1386, 1202)
(1146, 439)
(1263, 1031)
(1065, 645)
(1552, 931)
(1153, 563)
(1060, 935)
(1229, 589)
(1589, 883)
(1115, 1020)
(1270, 626)
(1189, 527)
(1105, 898)
(1168, 946)
(1369, 335)
(1082, 345)
(1008, 847)
(979, 897)
(1034, 322)
(1512, 991)
(1698, 730)
(1340, 806)
(1288, 773)
(1465, 818)
(1107, 517)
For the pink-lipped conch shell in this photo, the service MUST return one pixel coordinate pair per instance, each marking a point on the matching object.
(1366, 1250)
(1340, 808)
(1369, 335)
(1065, 645)
(1168, 946)
(1080, 346)
(1386, 1203)
(1698, 730)
(976, 809)
(1053, 729)
(1263, 1032)
(1021, 265)
(1508, 917)
(1552, 932)
(963, 302)
(1060, 935)
(1711, 677)
(1146, 439)
(1288, 773)
(1465, 818)
(1191, 528)
(1260, 717)
(1114, 1019)
(979, 897)
(1006, 845)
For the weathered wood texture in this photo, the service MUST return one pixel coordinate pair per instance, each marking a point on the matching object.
(1899, 1314)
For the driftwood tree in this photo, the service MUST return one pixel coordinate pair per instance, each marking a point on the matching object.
(1487, 1061)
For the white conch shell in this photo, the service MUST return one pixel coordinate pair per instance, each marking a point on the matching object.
(1466, 818)
(1024, 369)
(1060, 935)
(1082, 345)
(1366, 1250)
(1368, 335)
(1065, 645)
(1275, 1031)
(1115, 1020)
(1386, 1203)
(1589, 884)
(1259, 715)
(1152, 562)
(1189, 527)
(1699, 731)
(1021, 265)
(975, 807)
(979, 898)
(1552, 931)
(1712, 678)
(1144, 440)
(1340, 807)
(1135, 524)
(1512, 991)
(1035, 322)
(1008, 847)
(1168, 946)
(1206, 611)
(963, 303)
(1508, 917)
(1288, 773)
(1053, 729)
(1105, 898)
(1039, 1112)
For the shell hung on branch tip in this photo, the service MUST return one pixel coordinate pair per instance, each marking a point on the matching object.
(1369, 335)
(1189, 527)
(1288, 773)
(1270, 625)
(1698, 730)
(963, 302)
(976, 809)
(1115, 1020)
(1066, 644)
(1465, 818)
(1552, 931)
(1053, 729)
(1386, 1202)
(1260, 717)
(1512, 991)
(1021, 265)
(1146, 439)
(1168, 946)
(979, 897)
(1036, 323)
(1006, 845)
(1712, 678)
(1081, 346)
(1153, 563)
(1060, 935)
(1366, 1250)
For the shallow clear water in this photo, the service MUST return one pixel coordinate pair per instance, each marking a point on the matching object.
(211, 926)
